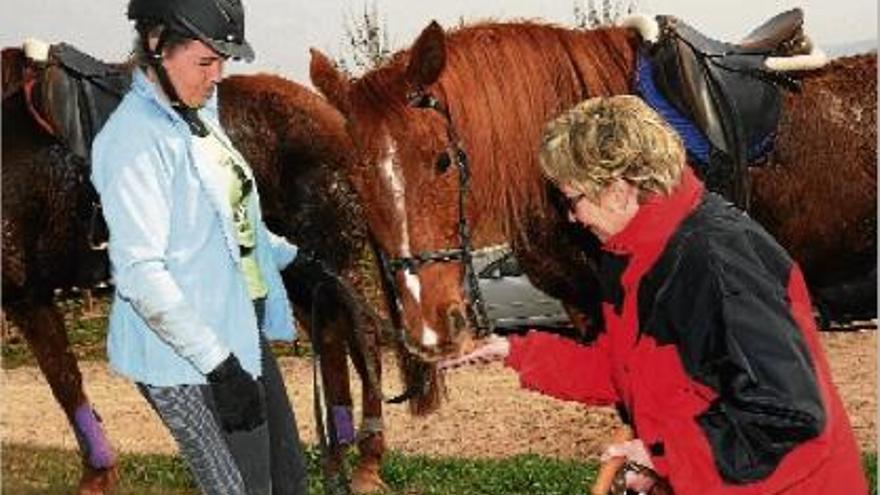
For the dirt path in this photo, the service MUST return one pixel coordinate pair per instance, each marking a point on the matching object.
(485, 407)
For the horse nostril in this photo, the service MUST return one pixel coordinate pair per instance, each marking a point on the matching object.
(455, 320)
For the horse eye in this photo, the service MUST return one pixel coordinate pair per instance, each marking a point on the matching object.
(443, 163)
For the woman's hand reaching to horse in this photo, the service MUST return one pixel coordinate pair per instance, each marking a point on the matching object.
(638, 474)
(493, 348)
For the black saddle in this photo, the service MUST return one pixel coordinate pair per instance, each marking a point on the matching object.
(726, 91)
(79, 93)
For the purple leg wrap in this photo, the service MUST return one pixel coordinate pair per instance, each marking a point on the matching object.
(92, 441)
(343, 424)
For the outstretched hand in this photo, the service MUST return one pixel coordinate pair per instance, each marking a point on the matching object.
(493, 348)
(634, 452)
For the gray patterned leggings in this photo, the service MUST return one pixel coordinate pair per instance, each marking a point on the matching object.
(267, 460)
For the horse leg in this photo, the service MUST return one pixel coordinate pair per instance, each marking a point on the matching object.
(43, 327)
(371, 442)
(335, 376)
(847, 301)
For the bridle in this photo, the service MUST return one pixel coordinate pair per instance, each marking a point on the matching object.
(463, 253)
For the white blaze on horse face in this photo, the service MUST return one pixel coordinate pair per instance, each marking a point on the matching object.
(396, 188)
(390, 170)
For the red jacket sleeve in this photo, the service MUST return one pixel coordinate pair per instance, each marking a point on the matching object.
(563, 368)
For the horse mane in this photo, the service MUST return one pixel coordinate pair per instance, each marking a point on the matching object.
(495, 87)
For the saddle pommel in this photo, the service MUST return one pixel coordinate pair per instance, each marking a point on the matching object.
(36, 49)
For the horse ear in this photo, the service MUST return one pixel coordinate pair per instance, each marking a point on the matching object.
(428, 57)
(329, 80)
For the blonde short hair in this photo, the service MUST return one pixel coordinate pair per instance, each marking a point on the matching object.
(602, 139)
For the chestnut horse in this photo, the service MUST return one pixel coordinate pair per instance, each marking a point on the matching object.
(488, 89)
(299, 150)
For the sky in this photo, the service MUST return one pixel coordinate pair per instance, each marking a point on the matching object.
(282, 31)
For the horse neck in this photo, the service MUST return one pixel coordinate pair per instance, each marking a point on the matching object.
(501, 94)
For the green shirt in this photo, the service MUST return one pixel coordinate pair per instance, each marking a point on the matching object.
(241, 186)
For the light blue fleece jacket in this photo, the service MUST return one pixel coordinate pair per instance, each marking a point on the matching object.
(181, 304)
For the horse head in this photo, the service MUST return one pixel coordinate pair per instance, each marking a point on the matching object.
(487, 90)
(409, 179)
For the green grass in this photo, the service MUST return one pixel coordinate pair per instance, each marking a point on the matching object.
(525, 475)
(31, 470)
(869, 461)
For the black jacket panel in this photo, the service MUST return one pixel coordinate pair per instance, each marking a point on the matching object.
(719, 293)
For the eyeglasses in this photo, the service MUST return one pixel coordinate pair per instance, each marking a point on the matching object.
(573, 202)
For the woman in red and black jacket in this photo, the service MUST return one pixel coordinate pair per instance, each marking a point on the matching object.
(710, 346)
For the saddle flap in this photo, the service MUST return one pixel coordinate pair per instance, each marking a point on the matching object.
(58, 98)
(724, 90)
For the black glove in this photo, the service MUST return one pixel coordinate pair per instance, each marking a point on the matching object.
(236, 396)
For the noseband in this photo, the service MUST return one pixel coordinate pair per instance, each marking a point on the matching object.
(463, 253)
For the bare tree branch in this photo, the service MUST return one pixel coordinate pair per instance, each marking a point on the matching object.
(587, 15)
(366, 44)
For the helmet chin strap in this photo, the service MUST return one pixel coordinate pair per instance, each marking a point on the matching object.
(190, 115)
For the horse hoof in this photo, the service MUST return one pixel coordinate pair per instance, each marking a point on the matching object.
(366, 480)
(97, 481)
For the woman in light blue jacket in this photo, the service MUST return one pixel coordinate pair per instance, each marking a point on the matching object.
(198, 288)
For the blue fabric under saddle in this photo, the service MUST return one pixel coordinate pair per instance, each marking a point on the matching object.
(698, 146)
(696, 143)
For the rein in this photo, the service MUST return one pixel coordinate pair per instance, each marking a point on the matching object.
(463, 253)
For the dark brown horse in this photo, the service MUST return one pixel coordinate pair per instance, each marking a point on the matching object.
(42, 195)
(495, 85)
(297, 146)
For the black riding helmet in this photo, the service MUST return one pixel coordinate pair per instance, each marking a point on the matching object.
(217, 23)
